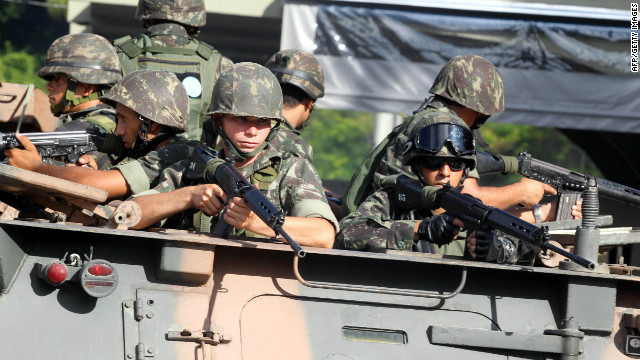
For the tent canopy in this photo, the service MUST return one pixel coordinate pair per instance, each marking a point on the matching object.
(563, 66)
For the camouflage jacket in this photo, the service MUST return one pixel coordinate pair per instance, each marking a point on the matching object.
(296, 187)
(144, 173)
(290, 143)
(100, 119)
(375, 226)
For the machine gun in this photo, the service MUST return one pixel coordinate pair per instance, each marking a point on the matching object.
(206, 167)
(68, 145)
(409, 196)
(569, 184)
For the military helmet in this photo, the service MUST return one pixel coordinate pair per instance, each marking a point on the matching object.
(85, 58)
(472, 82)
(300, 69)
(247, 89)
(440, 139)
(156, 95)
(186, 12)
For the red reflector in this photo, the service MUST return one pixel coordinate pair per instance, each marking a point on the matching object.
(100, 270)
(57, 273)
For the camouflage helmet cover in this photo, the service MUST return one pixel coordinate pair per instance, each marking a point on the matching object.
(472, 82)
(85, 58)
(156, 95)
(247, 89)
(459, 130)
(300, 69)
(186, 12)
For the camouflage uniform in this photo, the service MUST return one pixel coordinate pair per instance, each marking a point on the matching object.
(89, 59)
(291, 183)
(468, 80)
(156, 96)
(302, 70)
(296, 187)
(376, 226)
(169, 45)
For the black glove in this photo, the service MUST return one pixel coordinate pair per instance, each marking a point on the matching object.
(484, 242)
(438, 230)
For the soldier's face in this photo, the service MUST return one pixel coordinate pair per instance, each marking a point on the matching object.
(441, 176)
(128, 125)
(57, 89)
(246, 132)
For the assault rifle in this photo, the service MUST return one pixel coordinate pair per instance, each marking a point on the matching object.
(569, 184)
(409, 196)
(68, 145)
(206, 167)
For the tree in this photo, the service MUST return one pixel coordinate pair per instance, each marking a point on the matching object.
(341, 140)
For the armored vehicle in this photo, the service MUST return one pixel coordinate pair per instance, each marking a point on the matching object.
(75, 283)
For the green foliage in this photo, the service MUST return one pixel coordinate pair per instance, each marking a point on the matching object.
(543, 143)
(340, 140)
(58, 14)
(10, 11)
(20, 67)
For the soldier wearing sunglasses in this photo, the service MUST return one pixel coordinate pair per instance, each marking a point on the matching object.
(439, 153)
(470, 89)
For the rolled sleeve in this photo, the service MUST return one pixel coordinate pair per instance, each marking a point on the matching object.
(135, 176)
(317, 209)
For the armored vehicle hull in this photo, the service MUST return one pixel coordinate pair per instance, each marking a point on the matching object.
(180, 295)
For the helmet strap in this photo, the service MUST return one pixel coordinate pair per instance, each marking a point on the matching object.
(70, 98)
(143, 132)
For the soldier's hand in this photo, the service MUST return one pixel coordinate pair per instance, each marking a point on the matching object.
(28, 159)
(240, 216)
(532, 192)
(86, 160)
(440, 229)
(479, 243)
(209, 198)
(576, 209)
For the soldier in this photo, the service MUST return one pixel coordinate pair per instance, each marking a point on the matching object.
(470, 88)
(247, 99)
(80, 68)
(152, 110)
(169, 44)
(441, 152)
(302, 83)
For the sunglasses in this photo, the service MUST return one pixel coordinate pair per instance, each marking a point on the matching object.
(437, 163)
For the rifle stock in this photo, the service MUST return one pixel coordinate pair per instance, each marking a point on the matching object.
(411, 196)
(569, 184)
(206, 167)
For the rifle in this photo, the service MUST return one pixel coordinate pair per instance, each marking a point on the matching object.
(205, 166)
(69, 145)
(569, 184)
(410, 196)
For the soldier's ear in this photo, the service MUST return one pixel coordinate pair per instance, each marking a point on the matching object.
(89, 89)
(308, 104)
(155, 128)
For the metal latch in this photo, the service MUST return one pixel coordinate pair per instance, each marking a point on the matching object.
(199, 336)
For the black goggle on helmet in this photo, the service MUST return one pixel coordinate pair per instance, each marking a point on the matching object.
(441, 139)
